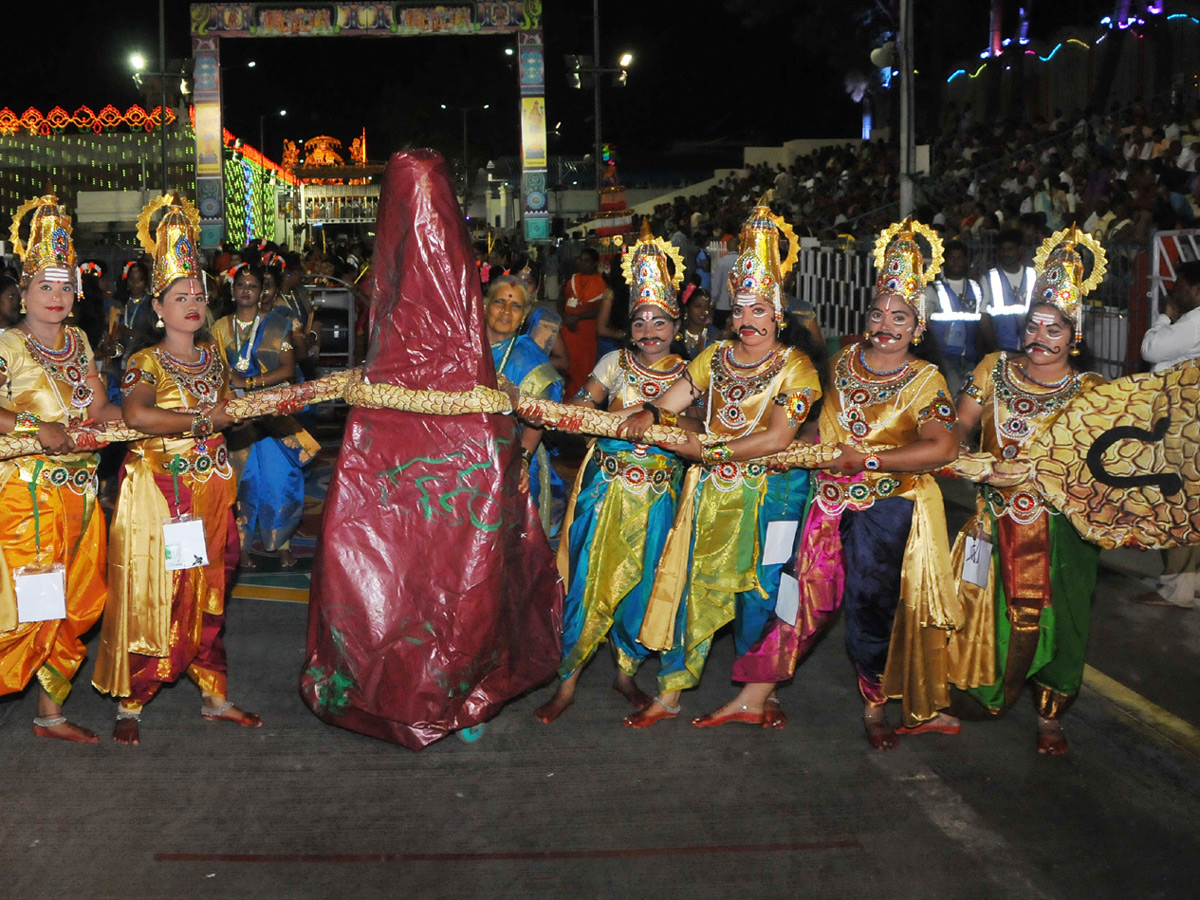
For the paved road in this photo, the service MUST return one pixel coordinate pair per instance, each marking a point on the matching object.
(586, 808)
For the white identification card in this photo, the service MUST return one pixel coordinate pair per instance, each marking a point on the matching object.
(184, 546)
(977, 561)
(787, 602)
(781, 537)
(41, 592)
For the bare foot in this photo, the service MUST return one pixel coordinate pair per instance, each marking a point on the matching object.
(627, 688)
(127, 731)
(66, 731)
(1051, 740)
(227, 712)
(286, 560)
(879, 732)
(558, 705)
(939, 724)
(773, 714)
(245, 562)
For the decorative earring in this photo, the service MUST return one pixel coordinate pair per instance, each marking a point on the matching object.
(866, 335)
(159, 323)
(23, 309)
(917, 339)
(1075, 350)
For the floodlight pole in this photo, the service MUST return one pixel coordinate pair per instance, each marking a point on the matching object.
(596, 91)
(162, 84)
(908, 150)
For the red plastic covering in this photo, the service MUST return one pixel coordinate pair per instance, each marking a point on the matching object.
(435, 598)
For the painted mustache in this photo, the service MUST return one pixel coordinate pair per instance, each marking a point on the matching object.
(750, 329)
(1043, 348)
(887, 334)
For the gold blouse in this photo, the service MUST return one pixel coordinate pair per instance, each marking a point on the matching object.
(180, 385)
(1013, 407)
(629, 383)
(739, 398)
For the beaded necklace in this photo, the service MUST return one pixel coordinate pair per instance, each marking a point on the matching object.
(244, 334)
(201, 379)
(67, 366)
(1017, 408)
(858, 389)
(645, 382)
(735, 383)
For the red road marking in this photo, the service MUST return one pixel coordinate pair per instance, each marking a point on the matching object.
(851, 844)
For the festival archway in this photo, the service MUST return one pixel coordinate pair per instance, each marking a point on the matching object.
(213, 22)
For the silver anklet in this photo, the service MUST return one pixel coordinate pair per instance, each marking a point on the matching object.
(215, 712)
(49, 721)
(128, 714)
(673, 710)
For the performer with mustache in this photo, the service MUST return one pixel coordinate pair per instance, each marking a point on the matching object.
(875, 535)
(756, 392)
(623, 503)
(1030, 618)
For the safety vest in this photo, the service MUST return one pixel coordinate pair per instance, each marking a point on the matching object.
(954, 326)
(1006, 306)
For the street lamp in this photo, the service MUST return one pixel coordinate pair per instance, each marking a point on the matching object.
(262, 141)
(466, 168)
(138, 62)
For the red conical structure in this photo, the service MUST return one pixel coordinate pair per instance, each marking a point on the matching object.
(435, 598)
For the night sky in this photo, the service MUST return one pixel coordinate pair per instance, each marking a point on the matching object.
(703, 83)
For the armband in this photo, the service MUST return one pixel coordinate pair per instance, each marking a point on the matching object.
(27, 423)
(714, 454)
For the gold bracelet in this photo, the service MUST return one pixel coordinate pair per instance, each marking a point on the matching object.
(668, 418)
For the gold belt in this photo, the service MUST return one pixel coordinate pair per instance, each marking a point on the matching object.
(79, 475)
(836, 494)
(640, 473)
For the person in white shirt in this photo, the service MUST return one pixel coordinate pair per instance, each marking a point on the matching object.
(721, 268)
(1006, 292)
(1174, 338)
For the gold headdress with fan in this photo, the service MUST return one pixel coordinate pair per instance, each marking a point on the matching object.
(901, 265)
(1060, 280)
(651, 283)
(758, 270)
(50, 244)
(173, 242)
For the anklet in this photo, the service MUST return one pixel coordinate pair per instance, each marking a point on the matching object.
(214, 712)
(49, 721)
(128, 714)
(673, 710)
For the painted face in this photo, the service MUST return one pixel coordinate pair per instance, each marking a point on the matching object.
(246, 290)
(891, 323)
(1047, 335)
(652, 330)
(50, 296)
(182, 306)
(505, 312)
(753, 320)
(699, 312)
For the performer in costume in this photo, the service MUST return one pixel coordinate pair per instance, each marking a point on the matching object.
(518, 358)
(160, 624)
(268, 455)
(875, 534)
(435, 598)
(623, 502)
(1030, 620)
(48, 510)
(757, 391)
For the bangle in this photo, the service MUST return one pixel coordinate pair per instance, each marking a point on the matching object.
(526, 455)
(27, 423)
(668, 418)
(251, 383)
(872, 463)
(653, 410)
(202, 426)
(713, 454)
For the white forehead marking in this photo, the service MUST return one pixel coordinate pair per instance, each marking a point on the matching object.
(1043, 318)
(53, 273)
